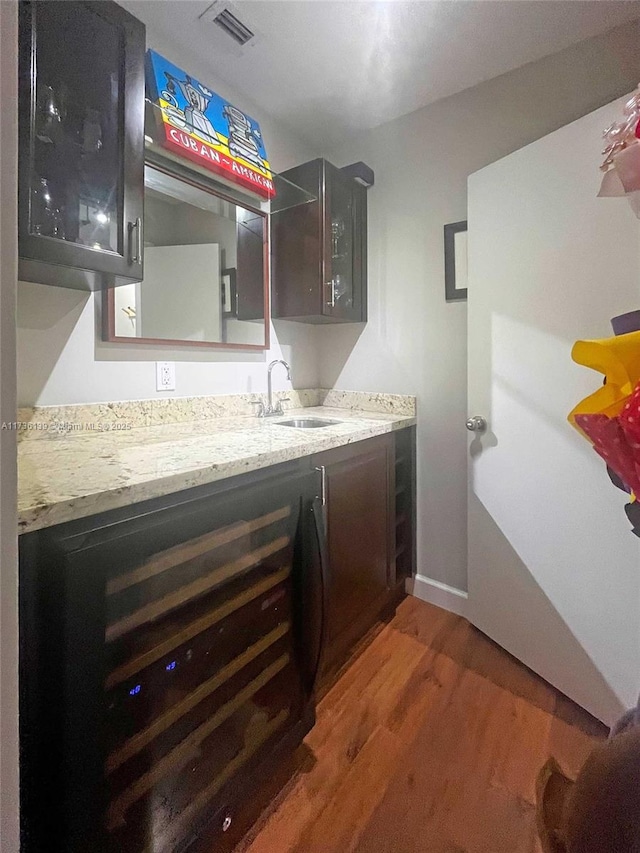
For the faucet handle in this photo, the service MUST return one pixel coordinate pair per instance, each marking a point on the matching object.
(261, 410)
(277, 409)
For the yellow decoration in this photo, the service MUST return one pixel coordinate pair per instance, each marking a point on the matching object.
(618, 359)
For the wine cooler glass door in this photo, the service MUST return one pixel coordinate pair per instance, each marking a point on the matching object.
(182, 646)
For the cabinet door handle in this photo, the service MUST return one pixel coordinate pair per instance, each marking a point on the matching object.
(332, 302)
(323, 484)
(135, 247)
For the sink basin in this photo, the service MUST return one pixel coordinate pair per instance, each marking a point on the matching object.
(307, 423)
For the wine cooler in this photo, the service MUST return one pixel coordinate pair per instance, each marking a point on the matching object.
(168, 656)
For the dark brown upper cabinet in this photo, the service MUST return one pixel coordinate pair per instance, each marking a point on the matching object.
(81, 152)
(319, 249)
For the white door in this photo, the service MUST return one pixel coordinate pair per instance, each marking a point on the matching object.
(554, 570)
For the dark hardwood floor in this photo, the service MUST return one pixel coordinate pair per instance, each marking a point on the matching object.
(429, 742)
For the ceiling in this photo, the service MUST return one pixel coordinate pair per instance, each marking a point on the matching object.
(329, 69)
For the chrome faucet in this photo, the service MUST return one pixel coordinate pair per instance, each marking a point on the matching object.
(270, 409)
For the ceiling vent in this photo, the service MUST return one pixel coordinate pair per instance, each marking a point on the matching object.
(227, 17)
(233, 27)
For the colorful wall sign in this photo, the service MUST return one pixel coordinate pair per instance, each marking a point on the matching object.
(194, 122)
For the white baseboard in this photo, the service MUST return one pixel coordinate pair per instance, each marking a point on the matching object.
(440, 594)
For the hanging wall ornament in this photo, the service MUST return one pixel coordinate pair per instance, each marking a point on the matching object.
(621, 165)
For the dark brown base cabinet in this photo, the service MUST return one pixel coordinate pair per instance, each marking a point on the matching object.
(319, 249)
(405, 505)
(170, 651)
(360, 520)
(369, 498)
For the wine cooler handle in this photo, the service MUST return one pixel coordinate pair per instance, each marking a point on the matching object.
(135, 246)
(323, 554)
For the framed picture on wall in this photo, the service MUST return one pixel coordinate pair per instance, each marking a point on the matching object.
(455, 261)
(229, 293)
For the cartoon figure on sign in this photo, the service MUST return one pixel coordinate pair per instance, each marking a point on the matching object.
(194, 122)
(198, 101)
(243, 141)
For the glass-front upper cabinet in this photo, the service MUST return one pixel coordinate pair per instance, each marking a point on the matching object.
(340, 228)
(81, 143)
(319, 249)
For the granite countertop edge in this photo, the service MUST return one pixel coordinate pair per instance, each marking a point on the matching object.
(155, 461)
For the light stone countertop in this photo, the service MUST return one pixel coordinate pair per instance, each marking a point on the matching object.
(80, 474)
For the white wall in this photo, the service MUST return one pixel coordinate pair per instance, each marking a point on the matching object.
(8, 521)
(62, 360)
(414, 341)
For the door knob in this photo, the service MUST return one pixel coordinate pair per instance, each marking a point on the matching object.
(476, 424)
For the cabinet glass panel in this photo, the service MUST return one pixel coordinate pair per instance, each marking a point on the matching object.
(75, 181)
(341, 240)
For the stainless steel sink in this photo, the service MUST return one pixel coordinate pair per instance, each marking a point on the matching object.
(307, 423)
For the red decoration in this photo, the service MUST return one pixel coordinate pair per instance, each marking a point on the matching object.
(617, 440)
(630, 419)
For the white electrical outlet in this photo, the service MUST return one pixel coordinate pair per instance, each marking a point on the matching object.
(165, 376)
